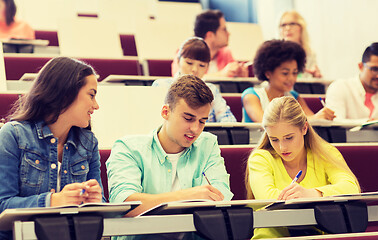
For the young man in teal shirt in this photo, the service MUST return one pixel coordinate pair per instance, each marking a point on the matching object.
(167, 165)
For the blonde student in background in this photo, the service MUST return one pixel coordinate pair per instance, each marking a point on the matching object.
(290, 145)
(293, 27)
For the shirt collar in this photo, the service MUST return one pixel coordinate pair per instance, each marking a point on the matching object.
(158, 149)
(359, 87)
(44, 131)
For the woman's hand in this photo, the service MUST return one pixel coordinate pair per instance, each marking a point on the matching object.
(70, 195)
(315, 72)
(93, 191)
(297, 191)
(325, 113)
(73, 194)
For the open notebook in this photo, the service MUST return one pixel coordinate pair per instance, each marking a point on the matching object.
(108, 210)
(188, 206)
(368, 197)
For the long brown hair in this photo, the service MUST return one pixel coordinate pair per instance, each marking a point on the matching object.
(287, 109)
(54, 90)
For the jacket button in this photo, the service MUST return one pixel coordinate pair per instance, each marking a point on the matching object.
(53, 140)
(66, 147)
(36, 161)
(65, 171)
(53, 166)
(82, 167)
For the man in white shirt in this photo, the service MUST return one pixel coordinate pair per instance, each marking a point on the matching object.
(357, 98)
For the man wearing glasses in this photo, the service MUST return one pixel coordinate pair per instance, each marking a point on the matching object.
(357, 98)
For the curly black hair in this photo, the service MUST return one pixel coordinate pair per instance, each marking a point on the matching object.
(273, 53)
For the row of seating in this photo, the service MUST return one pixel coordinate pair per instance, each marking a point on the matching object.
(236, 135)
(17, 66)
(127, 41)
(358, 157)
(234, 101)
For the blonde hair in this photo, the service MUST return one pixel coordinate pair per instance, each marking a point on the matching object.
(287, 109)
(305, 40)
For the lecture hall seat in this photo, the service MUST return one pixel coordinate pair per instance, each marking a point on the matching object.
(127, 41)
(236, 161)
(52, 36)
(236, 105)
(156, 67)
(15, 67)
(106, 67)
(6, 102)
(128, 45)
(104, 155)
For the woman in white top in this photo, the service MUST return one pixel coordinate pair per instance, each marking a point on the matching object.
(278, 62)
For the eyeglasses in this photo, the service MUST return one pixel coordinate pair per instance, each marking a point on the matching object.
(374, 70)
(292, 24)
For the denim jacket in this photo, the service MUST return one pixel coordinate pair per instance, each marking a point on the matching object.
(29, 163)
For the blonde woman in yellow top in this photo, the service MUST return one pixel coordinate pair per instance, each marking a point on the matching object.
(289, 145)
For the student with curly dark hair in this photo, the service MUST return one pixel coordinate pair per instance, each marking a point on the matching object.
(278, 62)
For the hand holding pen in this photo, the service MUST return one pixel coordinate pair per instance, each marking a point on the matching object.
(294, 190)
(295, 179)
(324, 113)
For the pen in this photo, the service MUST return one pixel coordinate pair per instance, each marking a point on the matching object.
(294, 180)
(203, 173)
(322, 101)
(297, 176)
(82, 192)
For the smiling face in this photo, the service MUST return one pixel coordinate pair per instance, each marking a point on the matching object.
(79, 112)
(284, 76)
(183, 125)
(288, 141)
(194, 67)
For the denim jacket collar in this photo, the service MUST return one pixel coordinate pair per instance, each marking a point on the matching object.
(44, 131)
(161, 154)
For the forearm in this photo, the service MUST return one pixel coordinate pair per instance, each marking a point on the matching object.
(24, 202)
(344, 187)
(151, 200)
